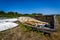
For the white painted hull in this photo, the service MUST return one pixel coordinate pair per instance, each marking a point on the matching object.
(7, 25)
(8, 20)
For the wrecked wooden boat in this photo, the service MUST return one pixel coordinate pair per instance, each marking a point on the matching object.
(47, 25)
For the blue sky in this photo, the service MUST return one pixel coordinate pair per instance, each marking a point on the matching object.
(31, 6)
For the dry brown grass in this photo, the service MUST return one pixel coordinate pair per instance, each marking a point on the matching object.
(20, 33)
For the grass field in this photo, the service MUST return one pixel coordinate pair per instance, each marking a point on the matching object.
(23, 33)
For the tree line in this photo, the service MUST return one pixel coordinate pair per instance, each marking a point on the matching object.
(16, 14)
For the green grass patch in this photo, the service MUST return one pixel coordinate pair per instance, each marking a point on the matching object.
(26, 28)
